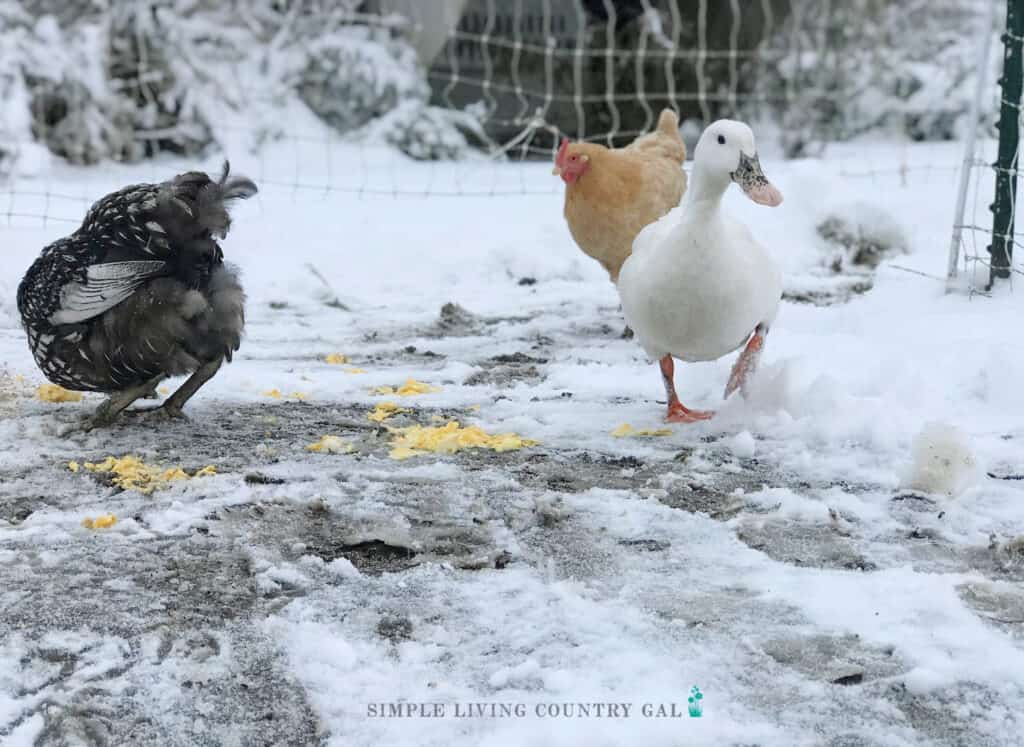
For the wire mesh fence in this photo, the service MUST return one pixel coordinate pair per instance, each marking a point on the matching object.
(402, 98)
(984, 237)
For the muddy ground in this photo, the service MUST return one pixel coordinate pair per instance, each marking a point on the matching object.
(168, 630)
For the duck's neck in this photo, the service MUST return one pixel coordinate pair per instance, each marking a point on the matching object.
(706, 190)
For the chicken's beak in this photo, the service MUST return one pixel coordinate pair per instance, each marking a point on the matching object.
(557, 171)
(751, 179)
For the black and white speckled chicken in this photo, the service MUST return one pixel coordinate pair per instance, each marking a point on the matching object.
(139, 293)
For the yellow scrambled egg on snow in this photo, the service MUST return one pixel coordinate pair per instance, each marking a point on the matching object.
(131, 473)
(409, 389)
(54, 393)
(100, 522)
(336, 359)
(331, 445)
(450, 438)
(385, 410)
(627, 430)
(276, 394)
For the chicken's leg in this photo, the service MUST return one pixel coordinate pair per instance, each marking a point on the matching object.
(746, 364)
(172, 407)
(112, 407)
(677, 413)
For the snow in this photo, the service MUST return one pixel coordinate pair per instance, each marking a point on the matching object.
(767, 556)
(942, 461)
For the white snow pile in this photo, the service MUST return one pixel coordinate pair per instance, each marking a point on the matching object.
(860, 237)
(943, 462)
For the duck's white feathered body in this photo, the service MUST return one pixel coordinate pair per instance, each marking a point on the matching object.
(697, 284)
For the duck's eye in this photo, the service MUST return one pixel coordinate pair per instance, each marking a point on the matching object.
(721, 139)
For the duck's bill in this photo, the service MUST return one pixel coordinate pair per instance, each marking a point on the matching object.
(751, 179)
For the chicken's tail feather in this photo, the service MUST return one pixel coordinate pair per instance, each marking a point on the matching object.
(668, 124)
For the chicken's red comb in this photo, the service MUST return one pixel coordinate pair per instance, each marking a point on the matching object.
(560, 158)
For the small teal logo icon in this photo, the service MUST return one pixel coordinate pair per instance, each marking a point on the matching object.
(695, 703)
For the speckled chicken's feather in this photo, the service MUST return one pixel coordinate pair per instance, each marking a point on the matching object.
(140, 289)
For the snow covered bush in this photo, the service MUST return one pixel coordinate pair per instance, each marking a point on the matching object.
(156, 66)
(428, 133)
(12, 90)
(74, 111)
(838, 70)
(102, 86)
(860, 238)
(126, 79)
(53, 90)
(359, 73)
(369, 77)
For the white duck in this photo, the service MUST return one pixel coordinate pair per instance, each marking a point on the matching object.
(698, 285)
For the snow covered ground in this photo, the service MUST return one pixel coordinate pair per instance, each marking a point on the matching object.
(773, 556)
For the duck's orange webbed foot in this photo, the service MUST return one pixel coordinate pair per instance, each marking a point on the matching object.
(746, 364)
(677, 412)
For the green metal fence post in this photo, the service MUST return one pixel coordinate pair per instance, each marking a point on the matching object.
(1001, 248)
